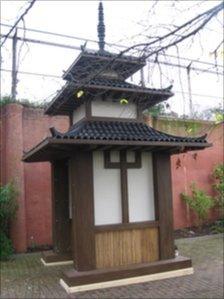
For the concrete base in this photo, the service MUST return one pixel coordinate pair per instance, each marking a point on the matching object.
(50, 258)
(56, 263)
(126, 281)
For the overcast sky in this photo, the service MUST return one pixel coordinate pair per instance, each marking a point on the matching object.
(123, 20)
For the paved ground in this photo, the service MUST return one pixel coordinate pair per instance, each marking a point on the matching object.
(25, 277)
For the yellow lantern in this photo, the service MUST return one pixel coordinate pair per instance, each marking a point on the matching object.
(79, 94)
(123, 101)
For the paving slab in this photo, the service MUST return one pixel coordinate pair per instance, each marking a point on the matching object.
(26, 277)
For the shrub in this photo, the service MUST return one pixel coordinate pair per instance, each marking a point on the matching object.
(5, 100)
(8, 204)
(218, 227)
(8, 208)
(199, 202)
(6, 248)
(218, 176)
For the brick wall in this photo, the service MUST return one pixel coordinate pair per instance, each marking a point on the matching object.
(22, 128)
(195, 166)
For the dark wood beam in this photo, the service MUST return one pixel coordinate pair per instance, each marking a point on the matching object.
(81, 178)
(150, 148)
(62, 147)
(124, 188)
(104, 147)
(75, 278)
(60, 208)
(126, 226)
(134, 148)
(90, 148)
(163, 203)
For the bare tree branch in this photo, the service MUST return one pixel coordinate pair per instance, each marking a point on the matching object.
(205, 17)
(17, 22)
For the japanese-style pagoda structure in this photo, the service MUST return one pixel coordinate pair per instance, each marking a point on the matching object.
(111, 182)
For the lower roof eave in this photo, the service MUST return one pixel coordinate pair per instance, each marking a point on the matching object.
(51, 149)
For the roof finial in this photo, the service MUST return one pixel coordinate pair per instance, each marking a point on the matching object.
(101, 27)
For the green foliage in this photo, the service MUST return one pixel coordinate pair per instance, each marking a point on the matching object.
(218, 227)
(219, 117)
(199, 202)
(192, 127)
(8, 204)
(157, 110)
(218, 176)
(8, 208)
(6, 248)
(5, 100)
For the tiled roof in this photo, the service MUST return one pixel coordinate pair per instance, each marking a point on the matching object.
(114, 55)
(104, 82)
(122, 131)
(65, 98)
(90, 62)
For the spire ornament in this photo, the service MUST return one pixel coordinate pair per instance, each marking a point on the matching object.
(101, 28)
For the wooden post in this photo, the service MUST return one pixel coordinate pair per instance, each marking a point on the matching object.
(163, 203)
(14, 66)
(191, 111)
(124, 187)
(81, 180)
(60, 208)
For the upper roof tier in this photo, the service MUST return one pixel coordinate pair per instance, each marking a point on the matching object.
(102, 64)
(96, 73)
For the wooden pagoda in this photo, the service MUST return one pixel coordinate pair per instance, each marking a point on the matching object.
(111, 183)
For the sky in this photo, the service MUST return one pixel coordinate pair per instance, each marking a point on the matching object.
(124, 21)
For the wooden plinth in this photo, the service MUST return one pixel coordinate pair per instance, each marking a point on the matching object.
(74, 281)
(50, 258)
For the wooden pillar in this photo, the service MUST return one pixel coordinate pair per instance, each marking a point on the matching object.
(81, 180)
(163, 203)
(60, 207)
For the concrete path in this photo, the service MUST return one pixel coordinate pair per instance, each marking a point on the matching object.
(25, 277)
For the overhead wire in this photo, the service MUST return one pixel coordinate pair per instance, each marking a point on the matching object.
(17, 22)
(109, 44)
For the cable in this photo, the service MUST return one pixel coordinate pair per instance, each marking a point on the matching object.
(78, 48)
(19, 19)
(58, 77)
(32, 74)
(109, 44)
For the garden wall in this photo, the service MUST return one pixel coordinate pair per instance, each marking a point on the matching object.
(22, 128)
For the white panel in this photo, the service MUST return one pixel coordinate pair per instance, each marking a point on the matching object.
(110, 109)
(141, 192)
(130, 156)
(107, 192)
(114, 156)
(79, 113)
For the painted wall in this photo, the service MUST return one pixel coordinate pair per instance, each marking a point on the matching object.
(111, 109)
(79, 113)
(22, 128)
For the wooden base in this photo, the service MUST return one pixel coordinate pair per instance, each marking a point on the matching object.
(50, 258)
(126, 281)
(74, 281)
